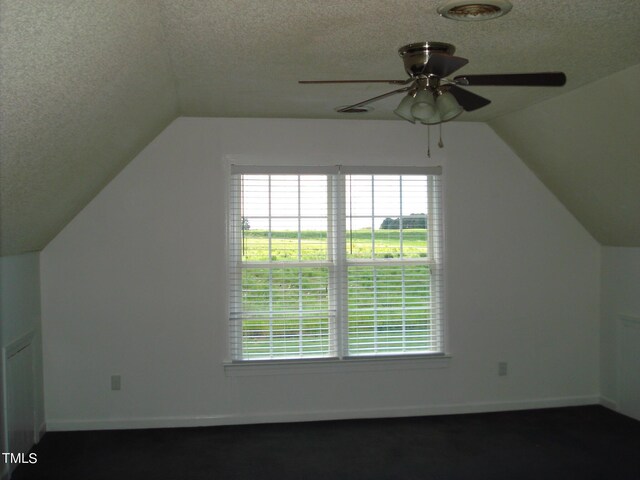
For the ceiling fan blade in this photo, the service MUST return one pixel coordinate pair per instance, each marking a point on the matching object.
(467, 100)
(443, 65)
(391, 82)
(545, 79)
(374, 99)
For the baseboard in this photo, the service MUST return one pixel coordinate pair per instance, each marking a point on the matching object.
(609, 403)
(278, 417)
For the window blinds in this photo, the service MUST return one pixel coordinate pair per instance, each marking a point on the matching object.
(334, 262)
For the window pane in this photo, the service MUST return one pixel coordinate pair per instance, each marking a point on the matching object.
(313, 196)
(313, 239)
(284, 217)
(390, 310)
(386, 195)
(414, 219)
(414, 242)
(255, 191)
(255, 242)
(386, 216)
(284, 195)
(359, 243)
(388, 241)
(285, 312)
(359, 199)
(279, 336)
(284, 239)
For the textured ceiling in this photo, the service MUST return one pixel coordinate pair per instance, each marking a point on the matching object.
(85, 85)
(243, 58)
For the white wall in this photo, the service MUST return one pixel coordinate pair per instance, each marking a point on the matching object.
(20, 315)
(620, 296)
(136, 285)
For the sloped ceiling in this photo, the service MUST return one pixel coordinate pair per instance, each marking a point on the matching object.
(85, 85)
(585, 146)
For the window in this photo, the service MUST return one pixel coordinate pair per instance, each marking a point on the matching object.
(335, 262)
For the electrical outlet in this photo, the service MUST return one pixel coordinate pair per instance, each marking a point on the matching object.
(502, 368)
(115, 382)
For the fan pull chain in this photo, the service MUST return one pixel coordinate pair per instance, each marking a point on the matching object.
(428, 141)
(440, 142)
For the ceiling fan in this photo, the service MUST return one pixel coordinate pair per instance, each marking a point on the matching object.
(432, 98)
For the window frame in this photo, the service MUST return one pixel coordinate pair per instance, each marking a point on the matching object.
(337, 262)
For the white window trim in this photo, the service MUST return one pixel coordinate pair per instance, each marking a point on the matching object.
(339, 364)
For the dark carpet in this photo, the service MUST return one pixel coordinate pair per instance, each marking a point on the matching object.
(562, 443)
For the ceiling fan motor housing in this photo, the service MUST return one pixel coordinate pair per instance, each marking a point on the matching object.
(416, 55)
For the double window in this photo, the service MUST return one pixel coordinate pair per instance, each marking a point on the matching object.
(335, 262)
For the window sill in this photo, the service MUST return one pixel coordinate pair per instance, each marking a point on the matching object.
(248, 368)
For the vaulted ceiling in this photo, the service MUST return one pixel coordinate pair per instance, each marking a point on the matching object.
(85, 85)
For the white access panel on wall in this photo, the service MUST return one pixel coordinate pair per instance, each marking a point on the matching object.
(19, 395)
(629, 366)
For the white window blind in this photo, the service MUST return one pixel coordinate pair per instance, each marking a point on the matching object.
(335, 262)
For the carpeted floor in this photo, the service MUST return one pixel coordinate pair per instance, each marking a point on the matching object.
(579, 443)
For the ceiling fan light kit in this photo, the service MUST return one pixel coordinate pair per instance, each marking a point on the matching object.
(404, 108)
(429, 108)
(424, 106)
(448, 106)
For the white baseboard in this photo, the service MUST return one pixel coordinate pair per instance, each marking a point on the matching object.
(278, 417)
(609, 403)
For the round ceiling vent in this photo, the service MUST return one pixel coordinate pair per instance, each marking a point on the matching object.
(474, 11)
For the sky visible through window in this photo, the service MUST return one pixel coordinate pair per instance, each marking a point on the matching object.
(290, 202)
